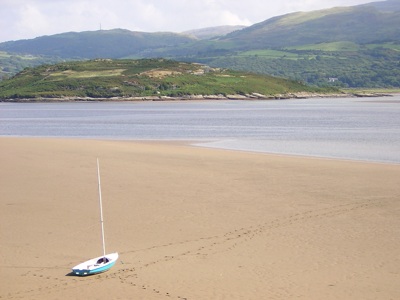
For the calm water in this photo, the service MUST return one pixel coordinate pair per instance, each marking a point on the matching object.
(360, 129)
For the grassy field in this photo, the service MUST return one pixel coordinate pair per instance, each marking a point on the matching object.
(391, 46)
(302, 17)
(69, 74)
(343, 46)
(335, 46)
(4, 55)
(267, 53)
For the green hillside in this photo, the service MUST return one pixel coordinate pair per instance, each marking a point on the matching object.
(140, 78)
(362, 24)
(336, 64)
(355, 47)
(116, 43)
(373, 23)
(10, 64)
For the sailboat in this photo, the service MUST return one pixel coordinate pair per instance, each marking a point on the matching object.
(102, 263)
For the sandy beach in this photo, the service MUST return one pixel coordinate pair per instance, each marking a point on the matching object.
(195, 223)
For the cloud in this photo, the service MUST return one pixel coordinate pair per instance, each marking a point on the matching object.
(32, 18)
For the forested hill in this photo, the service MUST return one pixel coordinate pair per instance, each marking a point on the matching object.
(143, 79)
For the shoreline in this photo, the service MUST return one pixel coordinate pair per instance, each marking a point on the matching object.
(303, 156)
(200, 144)
(253, 96)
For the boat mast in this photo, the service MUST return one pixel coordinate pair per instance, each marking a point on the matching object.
(101, 209)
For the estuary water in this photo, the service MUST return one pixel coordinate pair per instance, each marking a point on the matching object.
(365, 129)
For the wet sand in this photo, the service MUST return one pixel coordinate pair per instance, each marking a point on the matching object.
(194, 223)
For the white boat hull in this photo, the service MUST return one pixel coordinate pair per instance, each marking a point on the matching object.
(95, 265)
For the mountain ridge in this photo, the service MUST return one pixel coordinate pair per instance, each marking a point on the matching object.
(94, 44)
(364, 23)
(307, 46)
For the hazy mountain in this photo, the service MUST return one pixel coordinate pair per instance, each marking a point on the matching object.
(363, 24)
(114, 43)
(212, 32)
(369, 23)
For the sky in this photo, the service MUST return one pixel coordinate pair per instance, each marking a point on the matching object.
(26, 19)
